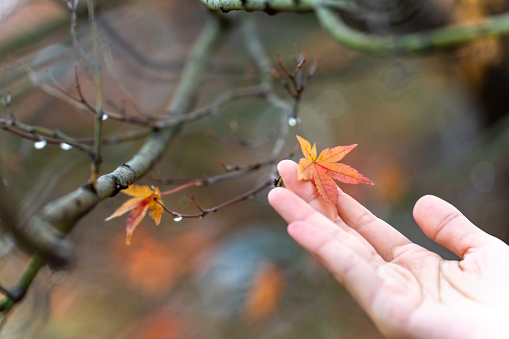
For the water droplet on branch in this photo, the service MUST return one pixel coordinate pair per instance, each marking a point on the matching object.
(293, 121)
(105, 116)
(177, 218)
(40, 144)
(65, 146)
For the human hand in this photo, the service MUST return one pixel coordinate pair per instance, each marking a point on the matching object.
(408, 291)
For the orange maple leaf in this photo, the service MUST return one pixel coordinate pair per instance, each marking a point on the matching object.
(144, 199)
(325, 168)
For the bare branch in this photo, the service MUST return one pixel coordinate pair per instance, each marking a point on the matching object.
(99, 102)
(203, 212)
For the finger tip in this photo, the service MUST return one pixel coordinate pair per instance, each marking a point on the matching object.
(273, 194)
(424, 204)
(285, 166)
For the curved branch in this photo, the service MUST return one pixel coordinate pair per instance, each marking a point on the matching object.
(416, 42)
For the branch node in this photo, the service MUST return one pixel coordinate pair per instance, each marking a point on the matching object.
(16, 294)
(89, 186)
(118, 186)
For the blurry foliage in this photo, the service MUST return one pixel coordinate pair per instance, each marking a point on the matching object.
(419, 123)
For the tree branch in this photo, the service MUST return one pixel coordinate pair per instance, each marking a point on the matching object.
(416, 42)
(275, 6)
(327, 14)
(59, 217)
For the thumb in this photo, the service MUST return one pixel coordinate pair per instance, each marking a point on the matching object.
(444, 224)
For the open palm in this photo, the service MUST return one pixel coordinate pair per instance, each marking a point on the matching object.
(408, 291)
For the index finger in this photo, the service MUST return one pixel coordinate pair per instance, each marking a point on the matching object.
(380, 235)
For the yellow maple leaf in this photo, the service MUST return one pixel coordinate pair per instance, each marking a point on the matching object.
(143, 199)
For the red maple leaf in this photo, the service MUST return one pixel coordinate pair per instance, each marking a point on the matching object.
(322, 170)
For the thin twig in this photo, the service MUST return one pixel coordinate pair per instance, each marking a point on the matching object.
(214, 107)
(241, 142)
(38, 133)
(297, 83)
(233, 172)
(182, 187)
(81, 103)
(72, 5)
(204, 212)
(99, 108)
(262, 62)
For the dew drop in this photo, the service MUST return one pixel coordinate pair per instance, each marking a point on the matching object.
(40, 144)
(105, 116)
(65, 146)
(177, 218)
(293, 121)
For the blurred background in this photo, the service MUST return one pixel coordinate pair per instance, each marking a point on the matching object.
(429, 124)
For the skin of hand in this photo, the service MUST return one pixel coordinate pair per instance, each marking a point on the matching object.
(408, 291)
